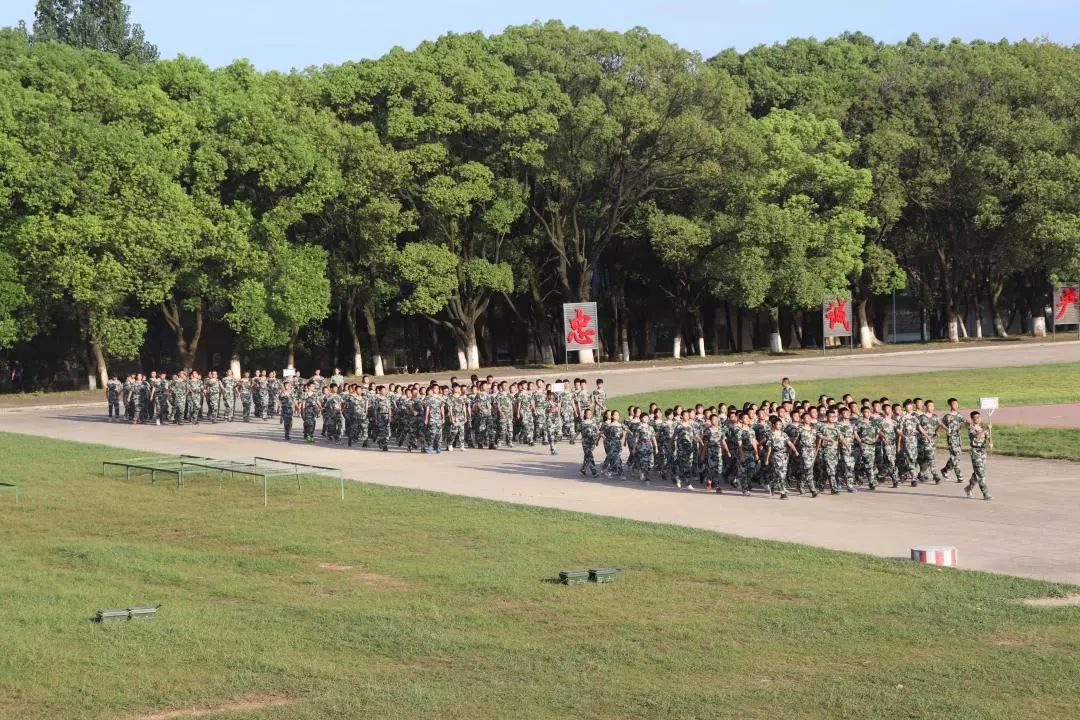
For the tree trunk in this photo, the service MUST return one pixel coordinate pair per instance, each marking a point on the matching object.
(676, 346)
(290, 351)
(472, 350)
(350, 322)
(373, 341)
(1038, 325)
(624, 339)
(867, 337)
(186, 349)
(700, 330)
(650, 337)
(102, 375)
(1000, 328)
(776, 342)
(954, 325)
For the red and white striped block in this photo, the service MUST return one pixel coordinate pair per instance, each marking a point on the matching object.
(935, 555)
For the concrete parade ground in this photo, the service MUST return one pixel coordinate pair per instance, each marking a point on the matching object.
(1031, 528)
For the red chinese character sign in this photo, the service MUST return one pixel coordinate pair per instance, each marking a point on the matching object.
(1067, 304)
(836, 315)
(580, 327)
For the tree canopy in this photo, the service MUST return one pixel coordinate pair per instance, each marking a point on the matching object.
(435, 207)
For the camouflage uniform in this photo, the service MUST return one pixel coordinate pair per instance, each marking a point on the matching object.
(482, 421)
(178, 397)
(664, 445)
(643, 448)
(589, 434)
(528, 419)
(599, 402)
(434, 428)
(846, 468)
(909, 450)
(714, 446)
(228, 394)
(686, 449)
(310, 409)
(246, 399)
(112, 394)
(566, 409)
(213, 398)
(505, 406)
(954, 424)
(928, 468)
(748, 464)
(458, 412)
(866, 431)
(161, 399)
(194, 400)
(829, 453)
(383, 408)
(978, 439)
(778, 461)
(259, 394)
(889, 436)
(614, 432)
(731, 459)
(334, 418)
(287, 414)
(807, 445)
(584, 402)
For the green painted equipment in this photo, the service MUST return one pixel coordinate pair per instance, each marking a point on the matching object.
(603, 575)
(573, 577)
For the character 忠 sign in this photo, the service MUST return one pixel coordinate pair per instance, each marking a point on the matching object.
(1067, 304)
(579, 324)
(836, 315)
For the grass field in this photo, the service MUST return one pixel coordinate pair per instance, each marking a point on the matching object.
(404, 604)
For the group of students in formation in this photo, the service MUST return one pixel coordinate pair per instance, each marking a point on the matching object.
(832, 445)
(431, 417)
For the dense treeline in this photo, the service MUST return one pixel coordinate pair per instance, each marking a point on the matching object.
(437, 205)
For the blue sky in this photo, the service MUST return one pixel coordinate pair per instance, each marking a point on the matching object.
(282, 34)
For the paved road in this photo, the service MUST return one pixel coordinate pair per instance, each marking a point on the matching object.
(1030, 528)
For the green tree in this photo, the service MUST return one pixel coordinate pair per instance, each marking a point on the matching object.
(94, 24)
(469, 129)
(642, 115)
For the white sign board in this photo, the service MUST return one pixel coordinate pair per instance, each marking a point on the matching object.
(580, 326)
(989, 404)
(557, 387)
(288, 372)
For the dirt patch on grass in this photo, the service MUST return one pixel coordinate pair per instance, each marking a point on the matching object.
(368, 578)
(1065, 601)
(243, 704)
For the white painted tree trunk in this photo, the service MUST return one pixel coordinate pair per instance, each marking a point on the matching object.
(701, 347)
(999, 327)
(91, 380)
(377, 359)
(358, 363)
(978, 323)
(676, 351)
(624, 351)
(585, 357)
(866, 336)
(963, 328)
(1038, 325)
(472, 356)
(776, 343)
(462, 359)
(234, 365)
(954, 329)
